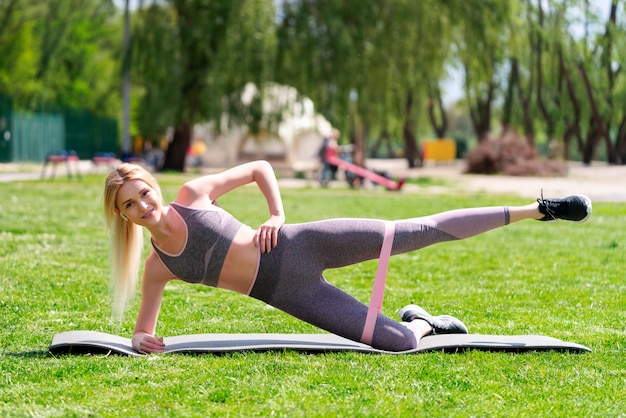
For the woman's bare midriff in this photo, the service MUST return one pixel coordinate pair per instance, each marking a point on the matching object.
(240, 265)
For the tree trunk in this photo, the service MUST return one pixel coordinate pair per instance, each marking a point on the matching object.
(543, 109)
(482, 112)
(599, 129)
(529, 130)
(479, 106)
(435, 101)
(573, 124)
(413, 156)
(177, 150)
(620, 143)
(590, 146)
(507, 107)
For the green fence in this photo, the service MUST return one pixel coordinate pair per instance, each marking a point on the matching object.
(36, 134)
(6, 107)
(88, 134)
(30, 136)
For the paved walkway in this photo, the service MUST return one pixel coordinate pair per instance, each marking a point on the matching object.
(4, 177)
(599, 181)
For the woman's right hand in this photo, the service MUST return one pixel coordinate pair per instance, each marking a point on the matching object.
(146, 343)
(266, 236)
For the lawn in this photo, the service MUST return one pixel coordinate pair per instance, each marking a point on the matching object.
(558, 279)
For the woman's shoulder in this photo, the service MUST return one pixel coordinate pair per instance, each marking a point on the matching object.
(189, 196)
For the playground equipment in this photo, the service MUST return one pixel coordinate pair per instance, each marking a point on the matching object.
(353, 170)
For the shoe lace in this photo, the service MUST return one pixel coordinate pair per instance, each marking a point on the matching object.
(546, 206)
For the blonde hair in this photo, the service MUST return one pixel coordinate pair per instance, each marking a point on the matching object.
(126, 242)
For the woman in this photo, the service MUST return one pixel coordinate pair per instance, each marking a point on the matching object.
(195, 240)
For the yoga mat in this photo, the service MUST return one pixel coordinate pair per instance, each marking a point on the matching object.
(92, 342)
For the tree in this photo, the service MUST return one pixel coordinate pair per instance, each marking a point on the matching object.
(19, 51)
(59, 53)
(481, 37)
(410, 54)
(184, 66)
(77, 66)
(567, 77)
(579, 77)
(322, 53)
(366, 65)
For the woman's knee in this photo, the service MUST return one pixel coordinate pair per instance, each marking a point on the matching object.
(394, 337)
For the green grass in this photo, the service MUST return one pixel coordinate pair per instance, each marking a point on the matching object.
(563, 280)
(425, 181)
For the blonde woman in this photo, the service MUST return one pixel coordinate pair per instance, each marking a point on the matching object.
(195, 240)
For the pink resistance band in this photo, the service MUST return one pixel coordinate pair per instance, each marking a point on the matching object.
(378, 293)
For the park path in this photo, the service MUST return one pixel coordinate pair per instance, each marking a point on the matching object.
(601, 182)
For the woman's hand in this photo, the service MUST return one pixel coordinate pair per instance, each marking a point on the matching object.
(266, 236)
(146, 343)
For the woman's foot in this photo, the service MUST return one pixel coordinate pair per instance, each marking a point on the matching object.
(575, 208)
(442, 324)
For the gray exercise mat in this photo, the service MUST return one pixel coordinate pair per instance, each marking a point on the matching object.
(92, 342)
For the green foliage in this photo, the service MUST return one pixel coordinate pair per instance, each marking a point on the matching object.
(61, 55)
(155, 69)
(360, 59)
(189, 55)
(19, 50)
(563, 280)
(371, 67)
(248, 57)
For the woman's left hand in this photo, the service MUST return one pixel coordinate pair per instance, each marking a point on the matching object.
(266, 236)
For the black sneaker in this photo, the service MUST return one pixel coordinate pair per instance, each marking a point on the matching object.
(575, 208)
(442, 324)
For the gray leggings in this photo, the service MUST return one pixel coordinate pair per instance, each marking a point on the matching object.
(291, 279)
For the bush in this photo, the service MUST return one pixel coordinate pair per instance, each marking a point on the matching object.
(511, 155)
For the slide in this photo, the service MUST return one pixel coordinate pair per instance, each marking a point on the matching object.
(332, 158)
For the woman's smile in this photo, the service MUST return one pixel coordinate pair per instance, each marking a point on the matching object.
(148, 214)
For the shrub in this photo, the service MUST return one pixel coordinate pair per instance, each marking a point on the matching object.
(511, 155)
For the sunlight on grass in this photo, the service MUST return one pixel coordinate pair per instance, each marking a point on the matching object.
(563, 280)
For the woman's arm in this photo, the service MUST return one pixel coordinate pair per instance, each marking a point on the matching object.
(209, 188)
(152, 287)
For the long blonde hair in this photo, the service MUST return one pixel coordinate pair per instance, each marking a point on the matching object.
(126, 242)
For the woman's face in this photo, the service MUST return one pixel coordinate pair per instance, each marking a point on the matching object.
(139, 203)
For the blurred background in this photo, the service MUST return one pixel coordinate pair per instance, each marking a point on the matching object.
(178, 84)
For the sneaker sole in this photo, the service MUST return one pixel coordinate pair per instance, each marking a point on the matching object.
(587, 204)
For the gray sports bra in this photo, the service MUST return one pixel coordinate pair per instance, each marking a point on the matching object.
(210, 232)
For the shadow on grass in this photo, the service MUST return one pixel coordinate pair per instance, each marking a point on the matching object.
(30, 354)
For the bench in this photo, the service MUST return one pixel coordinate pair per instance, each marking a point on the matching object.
(104, 159)
(67, 157)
